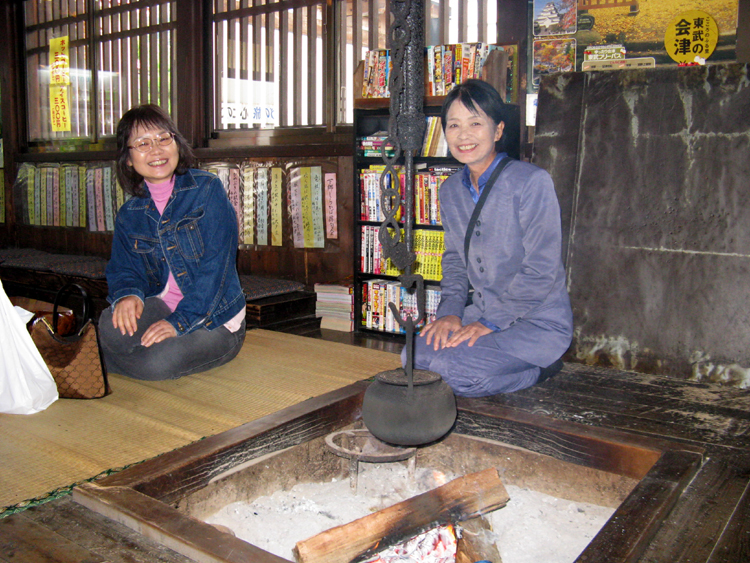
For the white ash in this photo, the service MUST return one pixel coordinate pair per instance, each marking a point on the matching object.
(532, 527)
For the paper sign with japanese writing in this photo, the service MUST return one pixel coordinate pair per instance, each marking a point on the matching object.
(82, 202)
(36, 181)
(248, 204)
(235, 197)
(294, 205)
(59, 61)
(59, 108)
(604, 52)
(261, 206)
(316, 206)
(619, 64)
(691, 37)
(332, 229)
(2, 198)
(306, 195)
(277, 208)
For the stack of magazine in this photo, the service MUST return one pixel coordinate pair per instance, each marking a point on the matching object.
(335, 306)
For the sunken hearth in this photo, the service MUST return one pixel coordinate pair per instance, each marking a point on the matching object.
(167, 497)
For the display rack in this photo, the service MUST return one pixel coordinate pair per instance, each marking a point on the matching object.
(375, 280)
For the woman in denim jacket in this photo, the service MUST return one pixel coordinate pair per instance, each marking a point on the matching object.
(177, 304)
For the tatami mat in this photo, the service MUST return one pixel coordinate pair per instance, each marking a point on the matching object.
(75, 440)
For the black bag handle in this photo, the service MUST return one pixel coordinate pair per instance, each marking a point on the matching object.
(482, 198)
(65, 290)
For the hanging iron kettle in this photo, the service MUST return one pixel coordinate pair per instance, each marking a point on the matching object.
(406, 413)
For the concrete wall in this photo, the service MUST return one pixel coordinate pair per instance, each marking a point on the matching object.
(652, 168)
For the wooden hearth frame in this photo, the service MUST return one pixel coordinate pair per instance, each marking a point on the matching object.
(142, 497)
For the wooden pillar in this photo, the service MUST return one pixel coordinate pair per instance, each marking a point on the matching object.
(193, 67)
(512, 28)
(12, 106)
(743, 32)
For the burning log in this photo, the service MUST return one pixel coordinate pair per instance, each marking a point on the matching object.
(456, 501)
(477, 542)
(437, 545)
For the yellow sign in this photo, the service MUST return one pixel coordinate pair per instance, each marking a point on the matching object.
(59, 113)
(59, 63)
(691, 37)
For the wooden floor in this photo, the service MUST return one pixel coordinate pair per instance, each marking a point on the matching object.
(709, 523)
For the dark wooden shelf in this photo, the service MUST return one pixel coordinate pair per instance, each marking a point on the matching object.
(385, 103)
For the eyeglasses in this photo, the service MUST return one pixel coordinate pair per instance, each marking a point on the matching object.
(146, 144)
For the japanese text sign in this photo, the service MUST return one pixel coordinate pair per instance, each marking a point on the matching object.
(59, 63)
(691, 37)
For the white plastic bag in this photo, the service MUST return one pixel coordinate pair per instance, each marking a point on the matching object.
(26, 385)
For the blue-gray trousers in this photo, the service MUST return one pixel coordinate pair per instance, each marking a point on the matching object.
(476, 371)
(174, 357)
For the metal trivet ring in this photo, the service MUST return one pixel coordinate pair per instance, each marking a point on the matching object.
(360, 445)
(398, 377)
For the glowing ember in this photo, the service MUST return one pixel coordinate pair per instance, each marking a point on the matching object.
(439, 477)
(433, 546)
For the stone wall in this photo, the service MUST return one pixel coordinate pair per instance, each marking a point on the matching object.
(652, 168)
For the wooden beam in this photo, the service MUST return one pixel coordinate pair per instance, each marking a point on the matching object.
(624, 453)
(461, 499)
(733, 544)
(190, 537)
(635, 522)
(22, 539)
(176, 474)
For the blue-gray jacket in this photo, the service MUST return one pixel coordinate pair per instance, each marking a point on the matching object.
(196, 237)
(514, 264)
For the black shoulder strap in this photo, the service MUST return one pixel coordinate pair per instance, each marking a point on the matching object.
(482, 198)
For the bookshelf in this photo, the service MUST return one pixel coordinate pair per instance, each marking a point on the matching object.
(376, 279)
(375, 282)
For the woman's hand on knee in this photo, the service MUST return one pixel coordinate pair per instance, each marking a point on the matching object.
(471, 332)
(126, 314)
(439, 331)
(160, 330)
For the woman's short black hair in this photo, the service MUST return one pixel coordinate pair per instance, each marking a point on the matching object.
(474, 94)
(147, 115)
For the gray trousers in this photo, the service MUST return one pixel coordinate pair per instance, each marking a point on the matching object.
(476, 371)
(175, 357)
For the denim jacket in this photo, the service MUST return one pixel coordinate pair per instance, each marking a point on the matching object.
(196, 237)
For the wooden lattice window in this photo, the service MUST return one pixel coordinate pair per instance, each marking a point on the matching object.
(262, 81)
(270, 63)
(120, 54)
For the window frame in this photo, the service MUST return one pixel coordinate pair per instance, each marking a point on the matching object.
(193, 98)
(332, 132)
(98, 30)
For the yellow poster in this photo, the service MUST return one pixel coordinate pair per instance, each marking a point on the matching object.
(691, 37)
(59, 61)
(59, 113)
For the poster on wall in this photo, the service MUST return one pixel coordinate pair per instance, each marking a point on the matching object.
(551, 56)
(650, 28)
(646, 34)
(555, 17)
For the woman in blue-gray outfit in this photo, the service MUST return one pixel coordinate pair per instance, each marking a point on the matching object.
(517, 323)
(177, 304)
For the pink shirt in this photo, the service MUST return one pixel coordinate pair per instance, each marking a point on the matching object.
(160, 193)
(172, 295)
